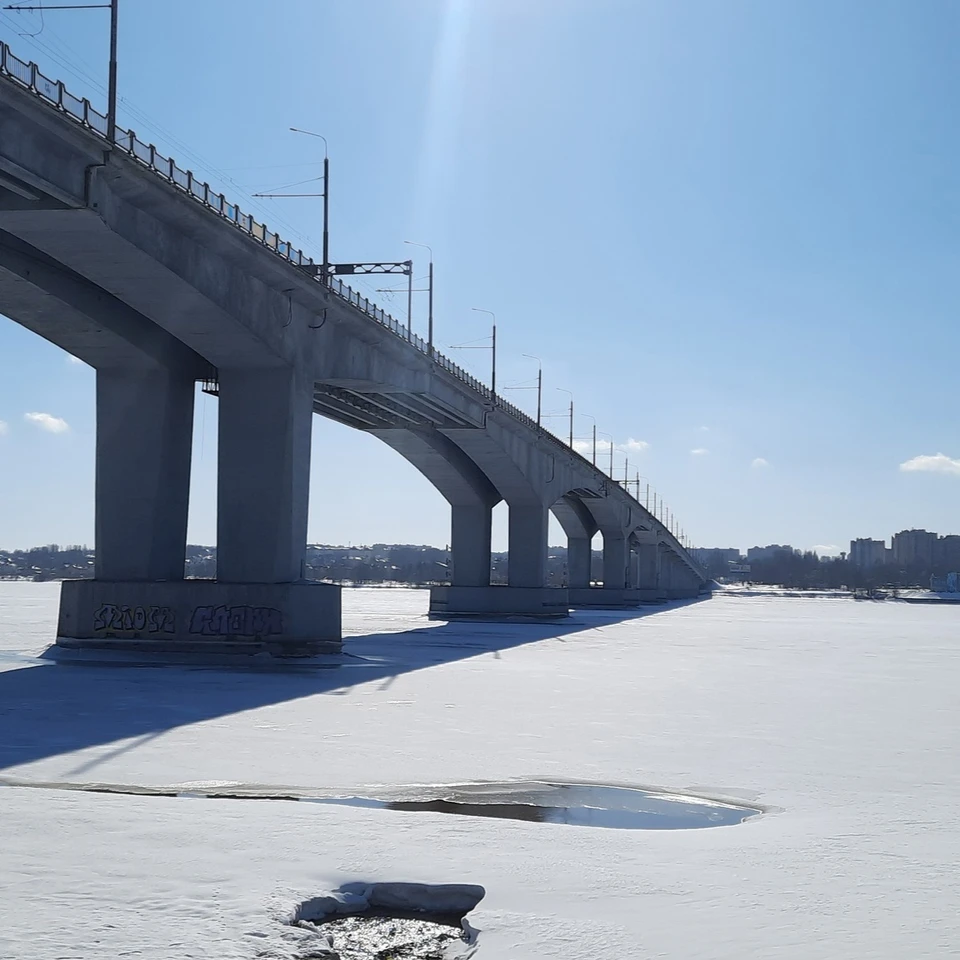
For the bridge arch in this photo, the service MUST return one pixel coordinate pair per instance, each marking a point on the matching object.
(465, 487)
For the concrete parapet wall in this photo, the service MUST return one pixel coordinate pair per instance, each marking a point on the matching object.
(285, 619)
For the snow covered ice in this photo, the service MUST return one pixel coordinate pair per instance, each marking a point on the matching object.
(839, 718)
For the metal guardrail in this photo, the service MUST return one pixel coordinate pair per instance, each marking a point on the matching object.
(27, 75)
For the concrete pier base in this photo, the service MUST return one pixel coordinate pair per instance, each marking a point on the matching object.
(186, 616)
(603, 598)
(498, 603)
(678, 593)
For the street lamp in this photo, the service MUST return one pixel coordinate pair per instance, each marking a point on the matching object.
(326, 200)
(530, 356)
(610, 435)
(493, 349)
(564, 390)
(413, 243)
(528, 386)
(113, 6)
(594, 419)
(639, 478)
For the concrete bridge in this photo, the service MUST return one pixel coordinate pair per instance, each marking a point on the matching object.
(118, 256)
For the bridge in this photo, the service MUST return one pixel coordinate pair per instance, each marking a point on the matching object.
(117, 255)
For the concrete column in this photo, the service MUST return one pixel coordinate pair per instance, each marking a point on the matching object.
(579, 556)
(633, 580)
(666, 569)
(263, 475)
(615, 555)
(527, 545)
(648, 565)
(144, 441)
(470, 546)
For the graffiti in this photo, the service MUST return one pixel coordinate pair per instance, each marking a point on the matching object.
(119, 617)
(207, 621)
(223, 621)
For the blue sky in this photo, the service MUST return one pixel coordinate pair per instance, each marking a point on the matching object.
(731, 229)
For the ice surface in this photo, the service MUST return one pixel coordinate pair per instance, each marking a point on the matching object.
(843, 715)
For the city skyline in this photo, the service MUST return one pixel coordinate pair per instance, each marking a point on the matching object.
(759, 251)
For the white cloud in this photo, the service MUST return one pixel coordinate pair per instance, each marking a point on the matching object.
(585, 446)
(825, 549)
(48, 422)
(704, 429)
(699, 452)
(4, 428)
(759, 463)
(936, 463)
(633, 446)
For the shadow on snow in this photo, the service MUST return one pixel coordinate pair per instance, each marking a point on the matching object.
(47, 709)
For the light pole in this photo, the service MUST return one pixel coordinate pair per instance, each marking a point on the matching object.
(112, 77)
(413, 243)
(564, 390)
(326, 200)
(610, 435)
(114, 7)
(493, 348)
(594, 419)
(530, 356)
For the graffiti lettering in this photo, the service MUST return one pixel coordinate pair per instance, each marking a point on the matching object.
(114, 617)
(244, 621)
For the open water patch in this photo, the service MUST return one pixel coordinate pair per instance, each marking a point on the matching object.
(578, 804)
(575, 803)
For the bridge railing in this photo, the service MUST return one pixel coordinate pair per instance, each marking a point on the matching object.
(27, 74)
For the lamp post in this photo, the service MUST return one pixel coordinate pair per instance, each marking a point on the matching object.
(326, 200)
(564, 390)
(112, 78)
(594, 419)
(530, 356)
(493, 348)
(610, 435)
(413, 243)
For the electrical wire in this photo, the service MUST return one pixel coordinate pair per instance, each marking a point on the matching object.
(42, 24)
(64, 60)
(58, 50)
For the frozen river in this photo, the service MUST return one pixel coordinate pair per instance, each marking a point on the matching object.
(839, 718)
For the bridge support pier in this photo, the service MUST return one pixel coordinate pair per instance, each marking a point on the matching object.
(259, 602)
(527, 545)
(143, 451)
(648, 570)
(617, 592)
(470, 545)
(263, 475)
(579, 562)
(525, 597)
(677, 581)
